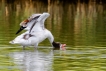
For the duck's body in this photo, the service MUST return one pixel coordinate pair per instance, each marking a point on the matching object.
(36, 32)
(34, 38)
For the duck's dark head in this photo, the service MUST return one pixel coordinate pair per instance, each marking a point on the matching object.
(58, 46)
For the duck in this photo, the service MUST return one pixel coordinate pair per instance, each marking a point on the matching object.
(36, 32)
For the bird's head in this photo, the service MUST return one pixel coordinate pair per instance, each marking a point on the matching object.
(58, 46)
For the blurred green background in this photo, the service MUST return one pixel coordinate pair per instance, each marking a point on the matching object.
(81, 24)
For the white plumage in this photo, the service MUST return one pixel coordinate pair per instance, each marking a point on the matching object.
(36, 32)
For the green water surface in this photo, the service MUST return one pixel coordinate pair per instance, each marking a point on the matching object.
(82, 26)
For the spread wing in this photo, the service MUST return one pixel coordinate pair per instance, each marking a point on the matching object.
(38, 24)
(34, 22)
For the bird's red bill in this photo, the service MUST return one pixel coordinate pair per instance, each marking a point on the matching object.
(63, 47)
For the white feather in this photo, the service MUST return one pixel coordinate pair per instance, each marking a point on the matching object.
(38, 33)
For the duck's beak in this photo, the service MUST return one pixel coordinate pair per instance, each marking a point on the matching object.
(63, 47)
(21, 28)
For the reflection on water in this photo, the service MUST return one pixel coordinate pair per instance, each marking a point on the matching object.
(83, 58)
(33, 61)
(81, 25)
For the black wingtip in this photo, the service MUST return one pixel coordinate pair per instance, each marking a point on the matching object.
(21, 28)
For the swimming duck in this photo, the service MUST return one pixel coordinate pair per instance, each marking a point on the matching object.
(36, 32)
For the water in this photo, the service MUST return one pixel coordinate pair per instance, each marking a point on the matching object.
(80, 25)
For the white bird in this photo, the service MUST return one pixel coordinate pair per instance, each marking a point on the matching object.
(36, 32)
